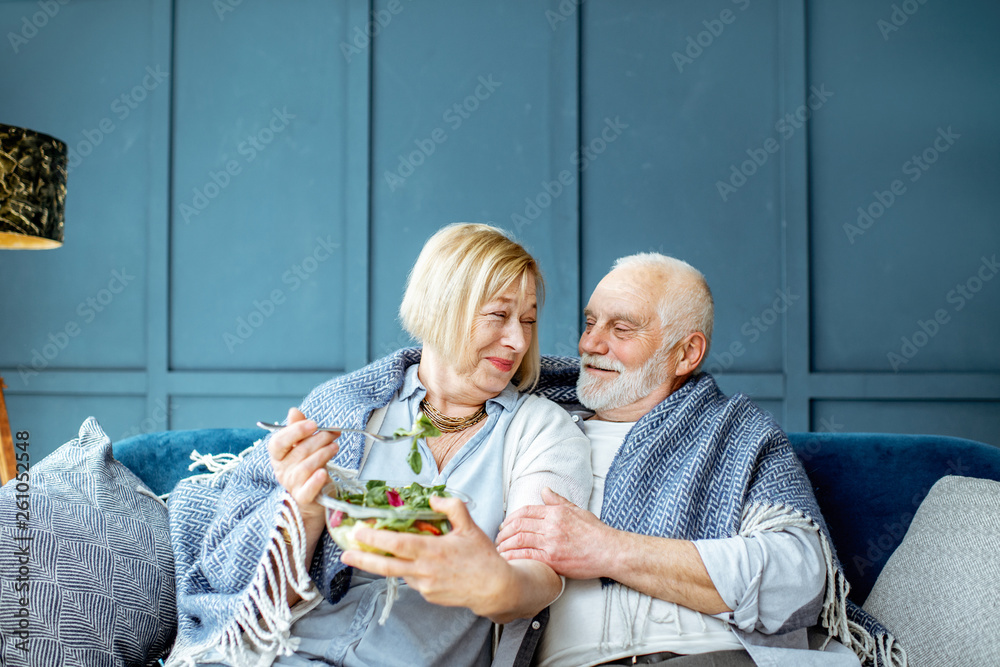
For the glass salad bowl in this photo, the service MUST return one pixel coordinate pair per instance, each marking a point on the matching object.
(381, 505)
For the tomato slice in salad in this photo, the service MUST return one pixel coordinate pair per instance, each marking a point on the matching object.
(426, 527)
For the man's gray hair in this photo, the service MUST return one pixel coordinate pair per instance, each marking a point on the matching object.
(687, 304)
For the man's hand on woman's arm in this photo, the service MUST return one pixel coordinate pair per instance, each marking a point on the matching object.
(460, 569)
(578, 545)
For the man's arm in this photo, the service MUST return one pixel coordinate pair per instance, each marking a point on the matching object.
(667, 569)
(576, 544)
(773, 581)
(770, 582)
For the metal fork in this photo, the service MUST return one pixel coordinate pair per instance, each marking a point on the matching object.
(333, 429)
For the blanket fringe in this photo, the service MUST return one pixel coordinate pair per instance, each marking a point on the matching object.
(882, 651)
(216, 464)
(261, 627)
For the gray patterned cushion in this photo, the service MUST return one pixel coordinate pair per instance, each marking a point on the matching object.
(99, 586)
(938, 593)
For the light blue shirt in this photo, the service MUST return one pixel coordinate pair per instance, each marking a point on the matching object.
(417, 632)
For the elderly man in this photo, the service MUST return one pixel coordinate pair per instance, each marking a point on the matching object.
(710, 548)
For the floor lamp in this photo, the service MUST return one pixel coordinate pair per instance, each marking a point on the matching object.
(32, 211)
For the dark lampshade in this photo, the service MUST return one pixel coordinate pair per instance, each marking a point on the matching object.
(32, 189)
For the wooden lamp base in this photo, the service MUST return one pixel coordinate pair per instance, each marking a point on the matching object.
(8, 460)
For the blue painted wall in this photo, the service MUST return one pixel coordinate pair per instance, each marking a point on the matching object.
(252, 180)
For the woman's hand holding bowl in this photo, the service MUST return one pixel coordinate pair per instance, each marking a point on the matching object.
(459, 569)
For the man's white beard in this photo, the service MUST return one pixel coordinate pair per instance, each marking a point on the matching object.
(599, 394)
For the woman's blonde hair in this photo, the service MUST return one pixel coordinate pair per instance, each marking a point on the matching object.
(461, 267)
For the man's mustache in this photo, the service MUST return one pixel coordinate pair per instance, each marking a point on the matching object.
(601, 362)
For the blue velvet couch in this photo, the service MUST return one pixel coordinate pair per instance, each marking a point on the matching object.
(868, 485)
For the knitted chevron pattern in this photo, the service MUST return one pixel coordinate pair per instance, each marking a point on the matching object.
(693, 468)
(690, 465)
(86, 574)
(688, 469)
(222, 528)
(557, 381)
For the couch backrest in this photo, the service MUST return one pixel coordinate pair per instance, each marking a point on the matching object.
(869, 486)
(162, 459)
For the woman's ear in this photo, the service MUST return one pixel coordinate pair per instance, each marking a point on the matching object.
(691, 352)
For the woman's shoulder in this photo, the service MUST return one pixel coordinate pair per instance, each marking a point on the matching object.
(536, 403)
(545, 443)
(538, 415)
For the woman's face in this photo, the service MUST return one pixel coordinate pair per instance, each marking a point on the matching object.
(501, 334)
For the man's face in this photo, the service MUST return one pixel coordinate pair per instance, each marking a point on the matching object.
(622, 366)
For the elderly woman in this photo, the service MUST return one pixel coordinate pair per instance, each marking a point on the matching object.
(260, 581)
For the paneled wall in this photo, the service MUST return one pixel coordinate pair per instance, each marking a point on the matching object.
(252, 180)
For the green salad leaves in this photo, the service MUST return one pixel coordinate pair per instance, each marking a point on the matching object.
(378, 494)
(422, 428)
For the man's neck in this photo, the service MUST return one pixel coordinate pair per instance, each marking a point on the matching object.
(627, 413)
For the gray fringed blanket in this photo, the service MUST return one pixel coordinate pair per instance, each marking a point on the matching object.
(703, 466)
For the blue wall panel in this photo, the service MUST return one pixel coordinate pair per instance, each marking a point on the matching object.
(81, 306)
(976, 420)
(693, 115)
(467, 125)
(910, 138)
(210, 411)
(684, 111)
(257, 247)
(773, 407)
(54, 419)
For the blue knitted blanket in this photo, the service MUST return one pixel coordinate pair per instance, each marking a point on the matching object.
(227, 532)
(702, 466)
(697, 466)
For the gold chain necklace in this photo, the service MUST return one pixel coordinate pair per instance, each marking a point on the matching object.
(448, 424)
